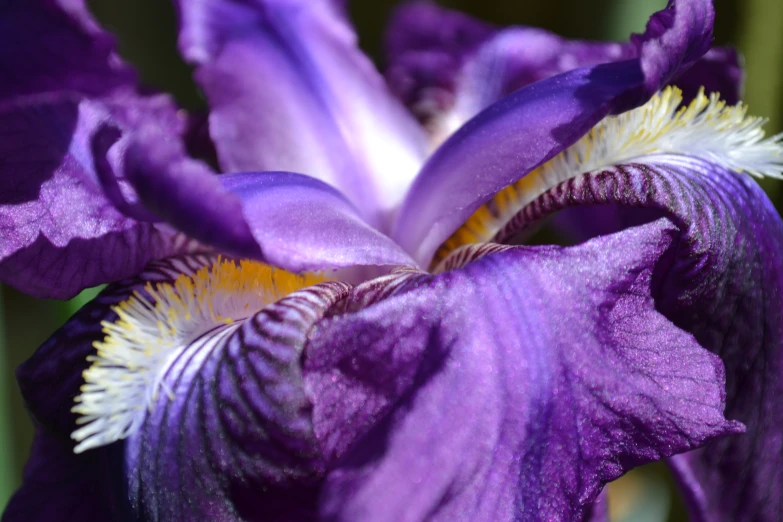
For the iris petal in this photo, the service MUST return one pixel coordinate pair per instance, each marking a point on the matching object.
(75, 487)
(55, 45)
(82, 486)
(705, 128)
(447, 67)
(60, 231)
(234, 439)
(523, 130)
(511, 389)
(289, 220)
(62, 81)
(289, 90)
(51, 378)
(242, 398)
(724, 287)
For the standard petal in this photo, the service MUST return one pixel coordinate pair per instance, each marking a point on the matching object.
(289, 90)
(289, 220)
(426, 47)
(719, 70)
(55, 45)
(448, 75)
(523, 130)
(674, 39)
(60, 231)
(512, 389)
(724, 287)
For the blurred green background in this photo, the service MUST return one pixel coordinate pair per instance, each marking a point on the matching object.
(146, 31)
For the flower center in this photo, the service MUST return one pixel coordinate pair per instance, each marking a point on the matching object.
(155, 326)
(706, 128)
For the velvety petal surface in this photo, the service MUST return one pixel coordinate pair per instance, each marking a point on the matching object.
(55, 45)
(724, 286)
(511, 389)
(289, 90)
(289, 220)
(528, 127)
(60, 231)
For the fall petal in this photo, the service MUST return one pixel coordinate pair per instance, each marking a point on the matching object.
(547, 383)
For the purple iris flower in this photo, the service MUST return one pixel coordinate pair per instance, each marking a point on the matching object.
(342, 326)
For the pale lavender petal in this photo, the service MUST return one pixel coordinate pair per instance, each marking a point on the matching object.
(511, 389)
(502, 144)
(289, 220)
(523, 130)
(303, 224)
(724, 286)
(289, 90)
(55, 45)
(60, 231)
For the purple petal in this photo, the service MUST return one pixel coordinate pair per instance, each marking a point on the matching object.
(55, 45)
(502, 144)
(448, 75)
(510, 390)
(67, 228)
(720, 70)
(517, 57)
(600, 512)
(303, 224)
(427, 46)
(674, 39)
(289, 90)
(525, 129)
(60, 231)
(236, 442)
(289, 220)
(724, 286)
(49, 381)
(60, 486)
(51, 378)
